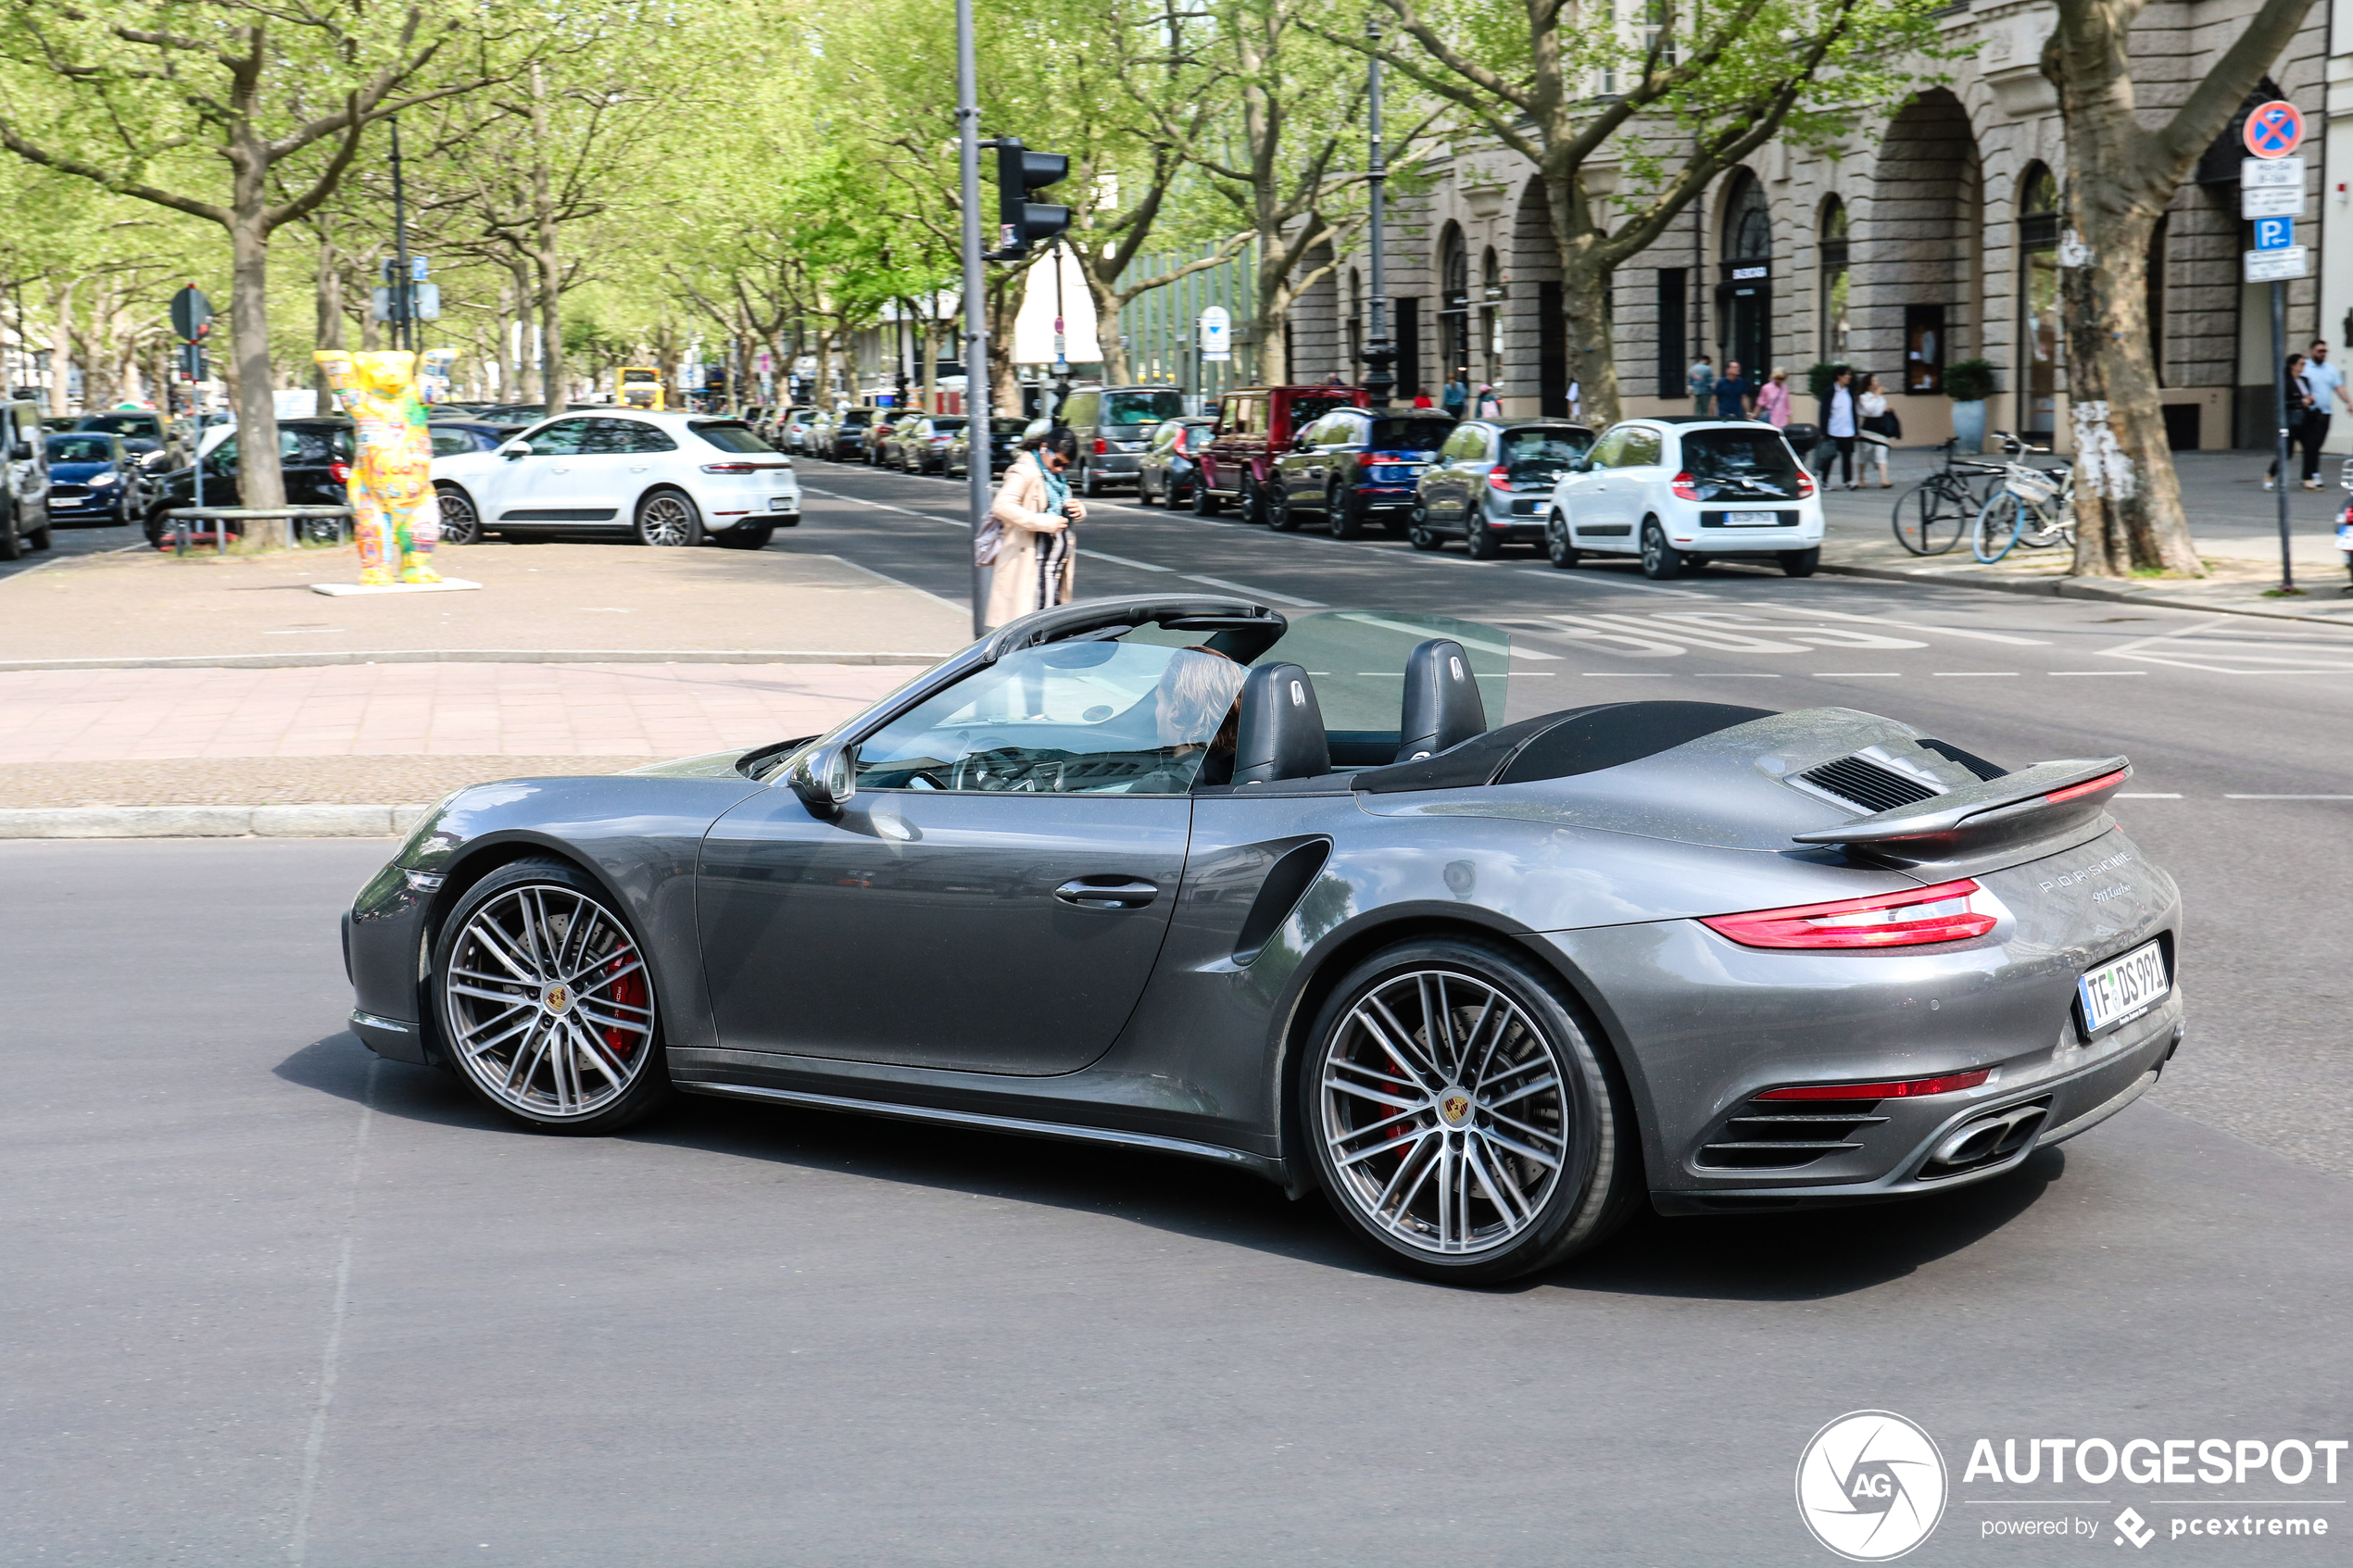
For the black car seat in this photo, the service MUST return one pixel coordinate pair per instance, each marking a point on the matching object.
(1442, 707)
(1280, 734)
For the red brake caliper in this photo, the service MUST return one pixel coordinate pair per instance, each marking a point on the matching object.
(630, 992)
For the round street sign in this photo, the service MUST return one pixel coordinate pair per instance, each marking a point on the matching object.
(191, 314)
(2274, 129)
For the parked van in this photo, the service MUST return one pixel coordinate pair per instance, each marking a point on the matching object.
(1114, 424)
(24, 480)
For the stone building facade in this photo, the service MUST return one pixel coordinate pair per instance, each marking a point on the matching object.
(1925, 238)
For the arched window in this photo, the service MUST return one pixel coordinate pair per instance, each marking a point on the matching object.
(1745, 295)
(1355, 324)
(1453, 305)
(1837, 326)
(1490, 318)
(2040, 347)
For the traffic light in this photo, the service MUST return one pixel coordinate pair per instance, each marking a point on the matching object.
(1020, 221)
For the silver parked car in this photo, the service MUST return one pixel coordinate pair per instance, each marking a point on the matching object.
(1493, 481)
(1125, 871)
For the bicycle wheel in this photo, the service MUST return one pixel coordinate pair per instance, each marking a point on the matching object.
(1999, 522)
(1928, 519)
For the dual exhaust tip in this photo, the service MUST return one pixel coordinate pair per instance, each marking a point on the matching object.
(1987, 1139)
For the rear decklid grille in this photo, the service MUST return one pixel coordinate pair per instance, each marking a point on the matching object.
(1868, 786)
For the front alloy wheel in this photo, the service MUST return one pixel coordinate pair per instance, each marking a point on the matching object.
(1660, 559)
(1460, 1117)
(460, 525)
(544, 1002)
(668, 518)
(1557, 549)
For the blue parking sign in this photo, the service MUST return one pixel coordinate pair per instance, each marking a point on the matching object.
(2274, 233)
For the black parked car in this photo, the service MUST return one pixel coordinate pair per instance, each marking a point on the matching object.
(1491, 481)
(1004, 446)
(1166, 471)
(1353, 467)
(848, 433)
(93, 481)
(314, 455)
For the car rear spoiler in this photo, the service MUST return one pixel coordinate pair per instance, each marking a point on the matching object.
(2044, 801)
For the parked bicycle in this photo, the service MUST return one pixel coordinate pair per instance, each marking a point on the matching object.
(1932, 516)
(2033, 509)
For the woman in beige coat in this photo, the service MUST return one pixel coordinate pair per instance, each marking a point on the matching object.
(1034, 510)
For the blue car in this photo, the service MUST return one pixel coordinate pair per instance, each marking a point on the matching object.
(93, 479)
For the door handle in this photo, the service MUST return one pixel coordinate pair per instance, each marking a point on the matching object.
(559, 468)
(638, 467)
(1107, 893)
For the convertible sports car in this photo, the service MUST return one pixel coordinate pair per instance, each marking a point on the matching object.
(1173, 873)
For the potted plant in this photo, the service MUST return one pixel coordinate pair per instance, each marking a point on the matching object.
(1968, 384)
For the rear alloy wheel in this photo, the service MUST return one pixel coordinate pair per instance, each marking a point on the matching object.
(1660, 559)
(747, 536)
(1460, 1116)
(1480, 540)
(1205, 501)
(1800, 563)
(1279, 516)
(1418, 531)
(1557, 549)
(543, 1003)
(1089, 484)
(1252, 502)
(1344, 514)
(460, 525)
(669, 519)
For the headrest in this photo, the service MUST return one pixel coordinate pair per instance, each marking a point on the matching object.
(1281, 730)
(1442, 708)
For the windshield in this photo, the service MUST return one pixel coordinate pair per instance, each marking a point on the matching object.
(1141, 407)
(1544, 453)
(1008, 426)
(125, 425)
(856, 416)
(1756, 462)
(1305, 411)
(1411, 435)
(729, 435)
(81, 449)
(945, 425)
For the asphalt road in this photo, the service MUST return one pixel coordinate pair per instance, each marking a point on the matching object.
(269, 1300)
(69, 541)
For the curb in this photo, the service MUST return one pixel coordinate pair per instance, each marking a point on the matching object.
(2081, 588)
(472, 656)
(211, 821)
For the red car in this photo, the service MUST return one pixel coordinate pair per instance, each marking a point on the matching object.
(1256, 425)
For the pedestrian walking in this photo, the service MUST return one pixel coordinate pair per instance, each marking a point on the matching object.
(2299, 411)
(1577, 401)
(1455, 396)
(2327, 385)
(1879, 426)
(1731, 392)
(1772, 401)
(1027, 534)
(1838, 417)
(1490, 406)
(1701, 380)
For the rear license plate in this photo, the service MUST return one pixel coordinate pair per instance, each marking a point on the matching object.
(1752, 519)
(780, 503)
(2125, 988)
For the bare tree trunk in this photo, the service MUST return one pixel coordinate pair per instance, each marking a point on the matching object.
(330, 303)
(1585, 277)
(545, 258)
(260, 482)
(61, 349)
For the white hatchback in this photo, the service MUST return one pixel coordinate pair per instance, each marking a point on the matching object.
(1681, 492)
(659, 477)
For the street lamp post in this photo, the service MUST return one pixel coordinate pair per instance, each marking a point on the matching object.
(979, 448)
(1380, 386)
(404, 331)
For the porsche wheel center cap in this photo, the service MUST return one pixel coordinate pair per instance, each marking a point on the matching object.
(1455, 1107)
(556, 999)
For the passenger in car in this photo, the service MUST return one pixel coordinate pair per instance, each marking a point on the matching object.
(1199, 695)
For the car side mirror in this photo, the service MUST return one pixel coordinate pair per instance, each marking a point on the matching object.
(824, 779)
(21, 451)
(514, 449)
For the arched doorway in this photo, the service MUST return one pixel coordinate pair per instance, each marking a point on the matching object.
(1838, 276)
(2039, 349)
(1453, 306)
(1744, 290)
(1920, 305)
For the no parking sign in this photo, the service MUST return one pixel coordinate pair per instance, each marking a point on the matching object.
(2273, 129)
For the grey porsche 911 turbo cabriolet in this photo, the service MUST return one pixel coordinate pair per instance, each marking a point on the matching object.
(1318, 897)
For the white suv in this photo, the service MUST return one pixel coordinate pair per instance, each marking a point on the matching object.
(664, 478)
(1680, 491)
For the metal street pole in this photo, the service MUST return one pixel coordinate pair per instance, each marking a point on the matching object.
(1380, 386)
(403, 332)
(2279, 391)
(979, 445)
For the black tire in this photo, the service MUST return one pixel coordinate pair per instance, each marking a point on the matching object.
(1251, 501)
(1144, 496)
(1661, 561)
(1180, 495)
(1091, 484)
(670, 518)
(1279, 515)
(1345, 514)
(460, 525)
(1480, 540)
(626, 1009)
(318, 530)
(1557, 549)
(1800, 563)
(1419, 532)
(747, 536)
(1535, 1029)
(1205, 502)
(39, 538)
(11, 542)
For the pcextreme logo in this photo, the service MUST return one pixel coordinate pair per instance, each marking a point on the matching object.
(1872, 1486)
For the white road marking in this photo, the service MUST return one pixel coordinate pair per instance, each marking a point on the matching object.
(1859, 674)
(2288, 797)
(1905, 625)
(1630, 676)
(1123, 561)
(1732, 675)
(2096, 672)
(1957, 674)
(1425, 632)
(1256, 593)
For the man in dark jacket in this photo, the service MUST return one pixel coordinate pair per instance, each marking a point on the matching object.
(1733, 392)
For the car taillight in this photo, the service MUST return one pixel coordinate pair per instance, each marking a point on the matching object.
(726, 468)
(1500, 478)
(1102, 446)
(2090, 787)
(1907, 1088)
(1950, 911)
(1684, 486)
(339, 472)
(1805, 485)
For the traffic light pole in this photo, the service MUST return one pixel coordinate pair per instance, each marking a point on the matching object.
(981, 447)
(403, 318)
(1380, 385)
